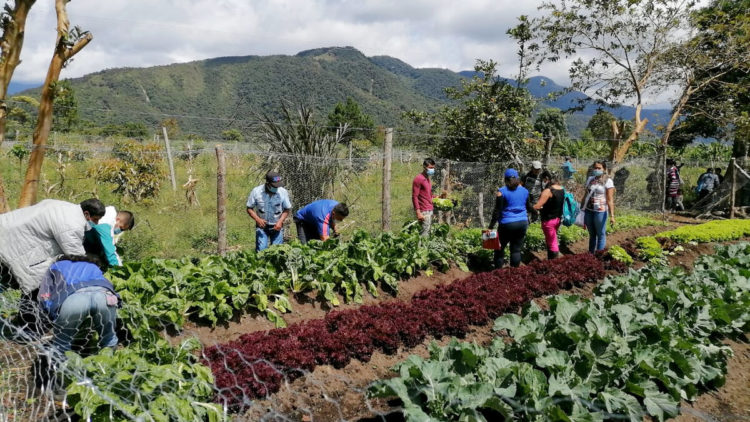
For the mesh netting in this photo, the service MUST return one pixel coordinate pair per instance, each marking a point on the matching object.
(180, 311)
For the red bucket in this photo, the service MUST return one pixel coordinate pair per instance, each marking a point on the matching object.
(490, 240)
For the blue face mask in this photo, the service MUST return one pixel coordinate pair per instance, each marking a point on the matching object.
(273, 189)
(598, 173)
(117, 230)
(430, 172)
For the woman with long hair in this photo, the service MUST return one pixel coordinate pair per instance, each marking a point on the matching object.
(511, 206)
(550, 204)
(599, 205)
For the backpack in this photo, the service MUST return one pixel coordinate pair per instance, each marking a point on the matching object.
(570, 209)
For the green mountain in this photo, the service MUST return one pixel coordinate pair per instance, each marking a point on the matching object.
(209, 96)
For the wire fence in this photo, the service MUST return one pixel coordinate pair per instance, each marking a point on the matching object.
(182, 224)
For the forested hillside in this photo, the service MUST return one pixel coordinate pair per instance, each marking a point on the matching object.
(230, 90)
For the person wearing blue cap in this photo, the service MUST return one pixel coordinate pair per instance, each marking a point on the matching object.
(511, 213)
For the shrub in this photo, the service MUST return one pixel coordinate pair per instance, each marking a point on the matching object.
(136, 169)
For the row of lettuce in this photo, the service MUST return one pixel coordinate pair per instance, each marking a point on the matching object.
(646, 341)
(156, 379)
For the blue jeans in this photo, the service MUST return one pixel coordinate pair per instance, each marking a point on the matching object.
(596, 223)
(264, 237)
(84, 303)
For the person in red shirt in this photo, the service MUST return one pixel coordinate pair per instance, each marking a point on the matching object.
(421, 195)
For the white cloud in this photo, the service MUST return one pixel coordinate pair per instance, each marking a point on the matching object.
(137, 33)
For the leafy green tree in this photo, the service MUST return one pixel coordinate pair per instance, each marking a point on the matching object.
(618, 47)
(65, 109)
(489, 122)
(360, 125)
(721, 109)
(550, 124)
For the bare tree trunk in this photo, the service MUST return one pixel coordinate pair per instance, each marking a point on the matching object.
(63, 52)
(621, 149)
(11, 44)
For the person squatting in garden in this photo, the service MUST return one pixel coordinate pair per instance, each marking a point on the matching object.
(102, 237)
(74, 290)
(674, 181)
(511, 214)
(269, 206)
(533, 183)
(421, 195)
(598, 205)
(550, 206)
(317, 219)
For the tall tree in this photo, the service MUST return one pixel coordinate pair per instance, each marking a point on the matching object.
(361, 125)
(619, 46)
(550, 123)
(13, 27)
(69, 42)
(489, 122)
(722, 108)
(65, 113)
(716, 51)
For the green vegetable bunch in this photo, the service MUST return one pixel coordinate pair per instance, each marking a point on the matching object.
(713, 231)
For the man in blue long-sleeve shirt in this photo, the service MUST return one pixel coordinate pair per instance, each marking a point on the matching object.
(316, 219)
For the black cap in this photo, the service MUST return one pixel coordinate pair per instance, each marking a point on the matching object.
(274, 179)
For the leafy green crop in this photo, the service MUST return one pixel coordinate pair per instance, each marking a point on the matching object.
(649, 249)
(619, 254)
(213, 289)
(713, 231)
(124, 385)
(646, 341)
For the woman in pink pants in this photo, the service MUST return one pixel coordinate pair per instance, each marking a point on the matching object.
(550, 205)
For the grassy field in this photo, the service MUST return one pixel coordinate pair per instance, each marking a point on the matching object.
(167, 227)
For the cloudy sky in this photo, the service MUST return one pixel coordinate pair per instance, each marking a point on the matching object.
(423, 33)
(139, 33)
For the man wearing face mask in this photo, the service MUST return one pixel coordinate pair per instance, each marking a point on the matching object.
(101, 240)
(269, 205)
(317, 219)
(421, 195)
(33, 236)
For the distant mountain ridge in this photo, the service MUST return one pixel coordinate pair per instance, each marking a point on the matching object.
(211, 95)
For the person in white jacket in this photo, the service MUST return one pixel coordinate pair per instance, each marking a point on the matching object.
(31, 237)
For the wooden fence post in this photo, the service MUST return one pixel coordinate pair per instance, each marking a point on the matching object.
(169, 159)
(221, 200)
(733, 196)
(387, 159)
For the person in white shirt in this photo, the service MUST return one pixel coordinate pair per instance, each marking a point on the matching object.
(599, 205)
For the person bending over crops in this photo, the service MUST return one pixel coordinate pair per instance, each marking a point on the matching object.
(101, 240)
(550, 204)
(33, 236)
(73, 291)
(599, 204)
(317, 219)
(511, 213)
(269, 206)
(421, 195)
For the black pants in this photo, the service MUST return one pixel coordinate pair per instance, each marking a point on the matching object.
(513, 234)
(306, 231)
